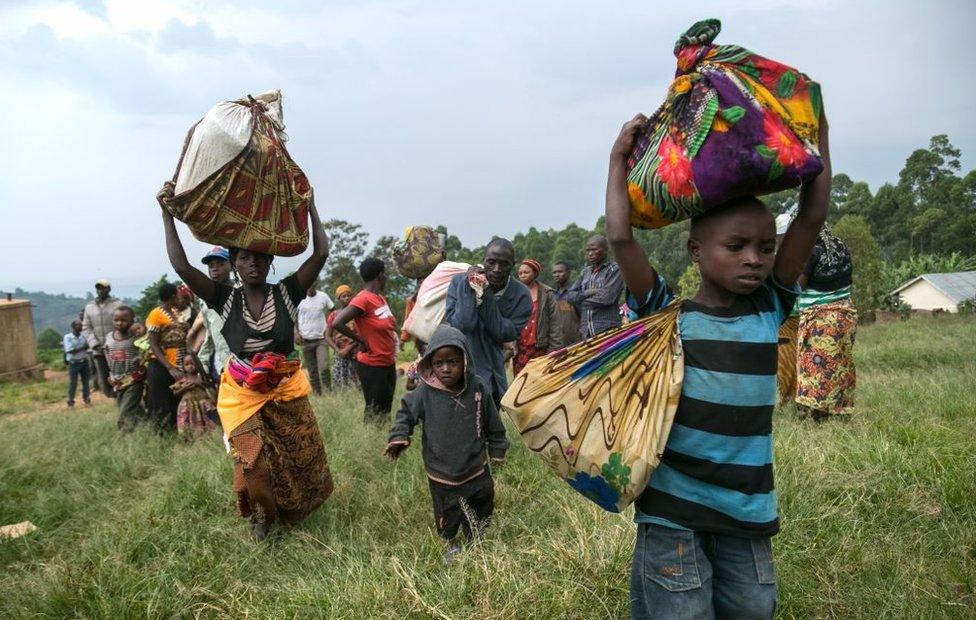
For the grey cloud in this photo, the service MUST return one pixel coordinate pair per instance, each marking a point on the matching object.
(116, 71)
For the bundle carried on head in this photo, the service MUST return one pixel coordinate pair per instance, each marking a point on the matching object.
(420, 250)
(431, 304)
(733, 124)
(237, 186)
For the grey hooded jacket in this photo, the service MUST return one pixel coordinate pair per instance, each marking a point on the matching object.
(460, 429)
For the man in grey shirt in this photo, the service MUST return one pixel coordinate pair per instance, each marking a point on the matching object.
(96, 323)
(597, 291)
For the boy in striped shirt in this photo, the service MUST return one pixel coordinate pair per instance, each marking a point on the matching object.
(705, 520)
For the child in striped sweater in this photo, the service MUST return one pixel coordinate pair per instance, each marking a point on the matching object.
(706, 518)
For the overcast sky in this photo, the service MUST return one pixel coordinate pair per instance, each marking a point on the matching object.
(487, 117)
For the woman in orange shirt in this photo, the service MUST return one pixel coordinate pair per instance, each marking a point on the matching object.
(167, 347)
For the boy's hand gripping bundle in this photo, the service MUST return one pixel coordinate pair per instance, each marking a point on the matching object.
(237, 186)
(600, 411)
(733, 124)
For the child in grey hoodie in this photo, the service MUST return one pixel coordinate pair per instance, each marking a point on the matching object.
(461, 431)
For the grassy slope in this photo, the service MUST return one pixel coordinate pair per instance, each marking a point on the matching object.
(879, 516)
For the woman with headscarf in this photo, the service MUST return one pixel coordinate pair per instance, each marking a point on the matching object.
(167, 325)
(280, 467)
(541, 334)
(825, 336)
(344, 362)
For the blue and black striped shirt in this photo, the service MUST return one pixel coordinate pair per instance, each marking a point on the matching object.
(716, 474)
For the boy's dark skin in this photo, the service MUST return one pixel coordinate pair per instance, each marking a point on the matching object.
(734, 247)
(122, 321)
(76, 330)
(448, 366)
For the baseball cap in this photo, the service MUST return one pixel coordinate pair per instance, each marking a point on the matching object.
(103, 282)
(216, 252)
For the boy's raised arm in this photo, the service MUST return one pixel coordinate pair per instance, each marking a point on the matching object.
(810, 217)
(637, 272)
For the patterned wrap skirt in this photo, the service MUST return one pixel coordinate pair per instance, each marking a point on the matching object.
(825, 373)
(280, 467)
(786, 360)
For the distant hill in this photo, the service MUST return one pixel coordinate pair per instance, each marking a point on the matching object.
(55, 311)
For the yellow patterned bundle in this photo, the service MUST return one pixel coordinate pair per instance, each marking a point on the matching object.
(600, 411)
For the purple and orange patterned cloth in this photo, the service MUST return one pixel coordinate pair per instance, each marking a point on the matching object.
(733, 124)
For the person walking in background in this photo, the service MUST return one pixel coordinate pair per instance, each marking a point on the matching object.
(210, 347)
(598, 289)
(310, 334)
(127, 374)
(96, 323)
(76, 354)
(541, 334)
(344, 363)
(376, 334)
(167, 346)
(825, 373)
(490, 307)
(567, 316)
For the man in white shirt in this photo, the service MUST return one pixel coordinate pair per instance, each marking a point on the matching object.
(310, 334)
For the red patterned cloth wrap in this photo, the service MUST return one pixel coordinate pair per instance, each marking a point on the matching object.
(259, 199)
(263, 372)
(733, 124)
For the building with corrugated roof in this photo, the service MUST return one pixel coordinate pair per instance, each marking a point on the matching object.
(938, 291)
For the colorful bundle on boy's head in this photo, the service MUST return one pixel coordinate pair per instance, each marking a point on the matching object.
(733, 124)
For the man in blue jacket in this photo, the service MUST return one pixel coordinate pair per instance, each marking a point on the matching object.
(490, 307)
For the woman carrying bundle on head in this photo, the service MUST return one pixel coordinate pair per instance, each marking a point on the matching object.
(280, 467)
(825, 374)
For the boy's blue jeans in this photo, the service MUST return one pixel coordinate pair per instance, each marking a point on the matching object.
(684, 574)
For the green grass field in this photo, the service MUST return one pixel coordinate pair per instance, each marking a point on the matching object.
(878, 516)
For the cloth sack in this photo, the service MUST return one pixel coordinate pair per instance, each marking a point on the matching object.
(429, 310)
(599, 412)
(236, 184)
(420, 250)
(733, 124)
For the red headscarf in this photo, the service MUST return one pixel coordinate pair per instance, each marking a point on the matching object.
(533, 264)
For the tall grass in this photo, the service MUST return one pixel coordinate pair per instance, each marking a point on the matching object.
(878, 513)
